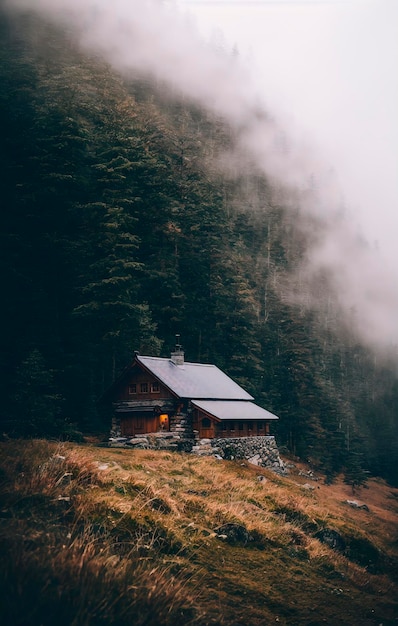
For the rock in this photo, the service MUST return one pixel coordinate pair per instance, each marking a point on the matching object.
(337, 591)
(261, 479)
(331, 538)
(167, 445)
(138, 442)
(254, 460)
(233, 534)
(103, 466)
(310, 474)
(184, 445)
(357, 505)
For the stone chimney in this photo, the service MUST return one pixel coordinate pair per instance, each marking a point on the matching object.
(177, 356)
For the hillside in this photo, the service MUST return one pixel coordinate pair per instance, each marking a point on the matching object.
(93, 536)
(130, 215)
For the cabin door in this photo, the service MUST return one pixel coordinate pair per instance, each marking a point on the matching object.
(139, 424)
(206, 428)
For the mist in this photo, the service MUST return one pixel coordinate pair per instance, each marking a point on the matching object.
(177, 47)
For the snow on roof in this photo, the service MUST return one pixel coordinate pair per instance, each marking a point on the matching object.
(224, 410)
(194, 380)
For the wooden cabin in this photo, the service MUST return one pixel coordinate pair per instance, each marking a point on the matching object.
(159, 394)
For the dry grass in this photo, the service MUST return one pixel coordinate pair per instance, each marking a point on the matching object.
(110, 536)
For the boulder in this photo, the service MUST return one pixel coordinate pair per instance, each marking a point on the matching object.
(233, 534)
(331, 538)
(357, 505)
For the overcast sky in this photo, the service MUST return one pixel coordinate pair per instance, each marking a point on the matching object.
(329, 70)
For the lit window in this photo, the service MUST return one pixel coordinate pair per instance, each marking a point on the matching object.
(132, 389)
(144, 387)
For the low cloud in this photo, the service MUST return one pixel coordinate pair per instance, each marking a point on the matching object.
(151, 37)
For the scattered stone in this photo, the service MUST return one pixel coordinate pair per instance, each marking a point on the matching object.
(337, 592)
(233, 534)
(357, 505)
(331, 538)
(261, 479)
(103, 466)
(307, 486)
(310, 474)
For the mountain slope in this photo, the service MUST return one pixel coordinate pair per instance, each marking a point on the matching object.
(129, 215)
(92, 535)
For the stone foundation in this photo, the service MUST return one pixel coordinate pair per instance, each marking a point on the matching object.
(262, 451)
(153, 441)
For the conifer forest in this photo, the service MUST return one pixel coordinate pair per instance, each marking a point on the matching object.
(128, 215)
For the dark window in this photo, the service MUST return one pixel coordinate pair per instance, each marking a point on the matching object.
(249, 425)
(144, 387)
(261, 425)
(232, 425)
(240, 425)
(132, 388)
(155, 388)
(206, 423)
(224, 425)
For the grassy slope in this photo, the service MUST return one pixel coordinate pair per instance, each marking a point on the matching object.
(108, 536)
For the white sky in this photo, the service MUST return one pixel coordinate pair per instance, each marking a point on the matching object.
(329, 70)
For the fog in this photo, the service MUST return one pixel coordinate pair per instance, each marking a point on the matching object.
(325, 73)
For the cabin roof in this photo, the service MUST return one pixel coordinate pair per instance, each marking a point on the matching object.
(235, 410)
(194, 380)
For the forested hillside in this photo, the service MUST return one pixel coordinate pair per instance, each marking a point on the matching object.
(122, 227)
